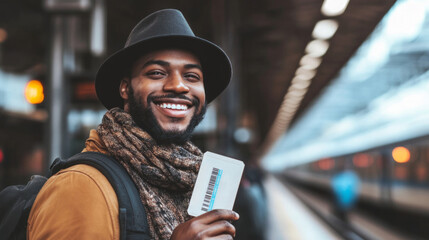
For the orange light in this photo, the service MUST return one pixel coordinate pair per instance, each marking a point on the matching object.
(401, 154)
(3, 35)
(34, 92)
(362, 160)
(326, 164)
(85, 91)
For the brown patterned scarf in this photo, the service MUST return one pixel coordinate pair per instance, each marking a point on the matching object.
(164, 174)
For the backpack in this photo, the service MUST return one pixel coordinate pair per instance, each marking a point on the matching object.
(16, 201)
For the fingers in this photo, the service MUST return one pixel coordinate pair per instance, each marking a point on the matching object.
(219, 214)
(223, 237)
(220, 228)
(214, 225)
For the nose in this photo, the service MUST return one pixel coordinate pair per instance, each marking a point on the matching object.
(176, 83)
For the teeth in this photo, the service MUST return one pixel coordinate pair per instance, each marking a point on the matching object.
(173, 106)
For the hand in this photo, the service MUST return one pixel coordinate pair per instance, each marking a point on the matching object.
(211, 225)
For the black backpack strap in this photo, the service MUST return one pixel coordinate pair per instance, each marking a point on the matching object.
(132, 215)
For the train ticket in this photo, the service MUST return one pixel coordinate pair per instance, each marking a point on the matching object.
(217, 184)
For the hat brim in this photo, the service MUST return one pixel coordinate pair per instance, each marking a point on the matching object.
(216, 65)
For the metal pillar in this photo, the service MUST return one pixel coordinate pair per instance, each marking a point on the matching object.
(57, 111)
(225, 14)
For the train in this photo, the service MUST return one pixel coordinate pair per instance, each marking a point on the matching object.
(394, 175)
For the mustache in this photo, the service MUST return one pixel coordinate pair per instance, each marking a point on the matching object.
(152, 98)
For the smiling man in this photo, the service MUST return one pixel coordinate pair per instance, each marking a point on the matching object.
(156, 90)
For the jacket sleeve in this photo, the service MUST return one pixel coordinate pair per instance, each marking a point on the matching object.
(76, 203)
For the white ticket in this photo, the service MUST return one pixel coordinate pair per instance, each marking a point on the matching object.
(217, 184)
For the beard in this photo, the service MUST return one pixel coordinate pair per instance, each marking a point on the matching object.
(145, 119)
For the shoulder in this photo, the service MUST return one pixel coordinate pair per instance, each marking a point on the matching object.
(78, 173)
(79, 197)
(79, 181)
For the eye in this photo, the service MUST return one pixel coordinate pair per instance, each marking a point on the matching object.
(192, 77)
(155, 74)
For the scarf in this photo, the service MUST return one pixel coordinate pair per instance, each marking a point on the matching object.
(164, 174)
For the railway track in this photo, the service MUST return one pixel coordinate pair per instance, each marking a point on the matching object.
(357, 224)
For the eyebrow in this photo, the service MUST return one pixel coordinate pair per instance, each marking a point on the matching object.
(156, 62)
(189, 66)
(167, 64)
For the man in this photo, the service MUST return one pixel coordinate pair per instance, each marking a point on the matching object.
(156, 89)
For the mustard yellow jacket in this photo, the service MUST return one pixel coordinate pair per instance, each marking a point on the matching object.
(76, 203)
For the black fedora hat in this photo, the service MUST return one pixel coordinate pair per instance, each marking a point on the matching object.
(166, 28)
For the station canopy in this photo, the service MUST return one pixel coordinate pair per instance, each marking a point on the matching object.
(380, 97)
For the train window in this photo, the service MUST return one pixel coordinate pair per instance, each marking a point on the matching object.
(400, 173)
(366, 164)
(410, 165)
(314, 166)
(426, 155)
(326, 164)
(420, 168)
(340, 163)
(373, 170)
(421, 173)
(362, 160)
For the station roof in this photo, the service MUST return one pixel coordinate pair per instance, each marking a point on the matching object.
(269, 39)
(378, 100)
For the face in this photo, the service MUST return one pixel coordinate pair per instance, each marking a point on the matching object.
(165, 93)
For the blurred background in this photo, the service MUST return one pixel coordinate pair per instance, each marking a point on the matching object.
(328, 105)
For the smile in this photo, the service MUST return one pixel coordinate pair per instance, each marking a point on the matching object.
(173, 106)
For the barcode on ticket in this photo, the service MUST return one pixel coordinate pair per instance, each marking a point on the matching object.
(212, 187)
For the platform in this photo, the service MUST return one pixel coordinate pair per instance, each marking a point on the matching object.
(290, 219)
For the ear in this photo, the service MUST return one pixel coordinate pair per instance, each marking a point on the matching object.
(124, 87)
